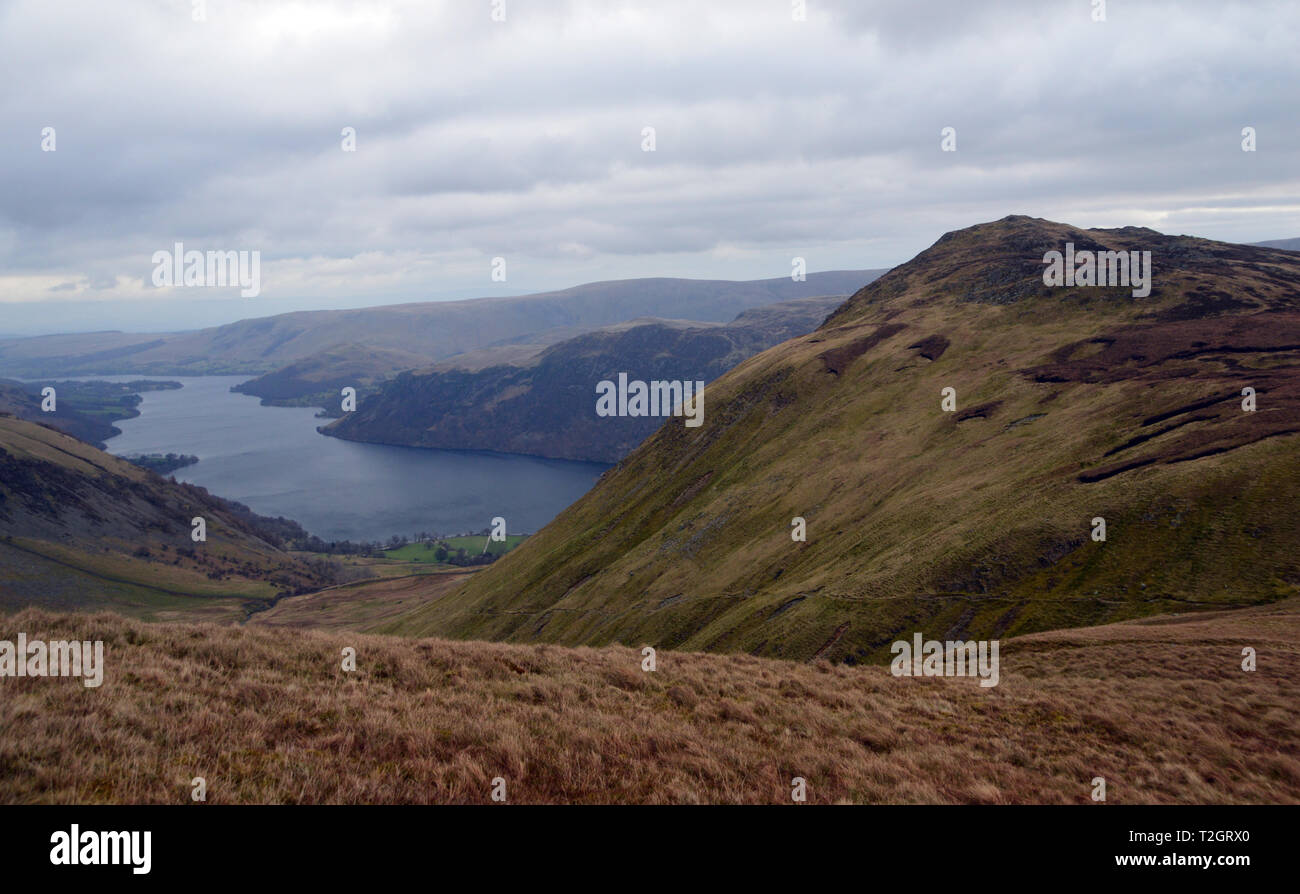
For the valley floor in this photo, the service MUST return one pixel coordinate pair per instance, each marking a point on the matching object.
(1160, 708)
(362, 604)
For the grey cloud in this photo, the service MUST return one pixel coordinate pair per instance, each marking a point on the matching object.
(522, 139)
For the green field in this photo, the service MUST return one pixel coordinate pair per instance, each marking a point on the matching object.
(427, 552)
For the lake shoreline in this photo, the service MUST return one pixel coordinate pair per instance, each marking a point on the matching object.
(274, 460)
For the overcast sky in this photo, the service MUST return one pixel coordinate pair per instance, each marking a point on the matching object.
(774, 138)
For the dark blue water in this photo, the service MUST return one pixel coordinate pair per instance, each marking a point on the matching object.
(273, 460)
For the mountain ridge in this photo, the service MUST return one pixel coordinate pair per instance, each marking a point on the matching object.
(1072, 403)
(436, 330)
(545, 405)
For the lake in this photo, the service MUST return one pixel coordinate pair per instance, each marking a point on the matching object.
(273, 460)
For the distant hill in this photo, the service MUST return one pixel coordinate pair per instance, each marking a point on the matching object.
(317, 381)
(86, 410)
(434, 330)
(1071, 404)
(545, 406)
(1288, 244)
(18, 399)
(80, 529)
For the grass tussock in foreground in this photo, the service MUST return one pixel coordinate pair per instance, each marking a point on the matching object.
(1161, 708)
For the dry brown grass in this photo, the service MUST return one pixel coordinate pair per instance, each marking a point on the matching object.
(1160, 708)
(359, 605)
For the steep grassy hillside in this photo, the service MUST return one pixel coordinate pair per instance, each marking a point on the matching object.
(1071, 403)
(82, 529)
(1161, 709)
(435, 330)
(546, 406)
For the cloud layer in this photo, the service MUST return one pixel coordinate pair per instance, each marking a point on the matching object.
(523, 139)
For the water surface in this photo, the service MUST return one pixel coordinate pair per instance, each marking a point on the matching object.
(273, 460)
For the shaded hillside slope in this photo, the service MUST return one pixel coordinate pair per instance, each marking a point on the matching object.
(318, 380)
(547, 405)
(85, 410)
(1072, 403)
(82, 529)
(435, 329)
(1161, 709)
(20, 400)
